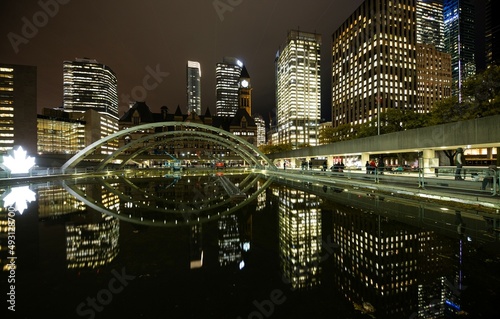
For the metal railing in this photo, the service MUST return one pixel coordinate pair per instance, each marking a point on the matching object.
(443, 177)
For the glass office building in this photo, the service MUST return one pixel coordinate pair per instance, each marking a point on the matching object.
(298, 87)
(227, 76)
(459, 35)
(91, 86)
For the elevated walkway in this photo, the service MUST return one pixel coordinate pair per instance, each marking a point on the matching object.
(440, 187)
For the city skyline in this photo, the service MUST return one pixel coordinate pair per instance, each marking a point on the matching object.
(150, 59)
(150, 43)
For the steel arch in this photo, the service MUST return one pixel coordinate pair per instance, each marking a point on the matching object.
(200, 135)
(77, 158)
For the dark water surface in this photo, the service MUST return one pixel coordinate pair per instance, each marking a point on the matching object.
(240, 246)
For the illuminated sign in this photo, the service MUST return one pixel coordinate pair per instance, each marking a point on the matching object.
(19, 197)
(20, 163)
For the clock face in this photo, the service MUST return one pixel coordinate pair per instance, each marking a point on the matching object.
(244, 83)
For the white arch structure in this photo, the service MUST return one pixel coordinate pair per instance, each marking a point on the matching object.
(180, 130)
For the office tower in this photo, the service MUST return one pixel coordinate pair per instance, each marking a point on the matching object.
(18, 99)
(430, 28)
(433, 64)
(374, 62)
(298, 89)
(194, 87)
(459, 36)
(227, 76)
(91, 88)
(492, 32)
(261, 129)
(89, 84)
(434, 76)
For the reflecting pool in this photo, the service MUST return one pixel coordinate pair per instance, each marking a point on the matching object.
(205, 244)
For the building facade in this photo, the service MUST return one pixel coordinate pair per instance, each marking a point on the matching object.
(227, 77)
(434, 76)
(261, 130)
(90, 85)
(58, 133)
(374, 62)
(18, 107)
(430, 23)
(459, 35)
(298, 89)
(193, 78)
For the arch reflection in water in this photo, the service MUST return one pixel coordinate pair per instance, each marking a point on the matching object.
(167, 202)
(387, 257)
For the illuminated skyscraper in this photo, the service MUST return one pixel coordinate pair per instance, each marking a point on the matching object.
(459, 35)
(430, 29)
(92, 86)
(374, 62)
(227, 76)
(298, 89)
(89, 84)
(194, 87)
(261, 130)
(433, 64)
(18, 87)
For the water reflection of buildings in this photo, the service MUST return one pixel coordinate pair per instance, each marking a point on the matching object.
(91, 245)
(230, 245)
(261, 199)
(196, 246)
(299, 237)
(54, 201)
(92, 241)
(391, 269)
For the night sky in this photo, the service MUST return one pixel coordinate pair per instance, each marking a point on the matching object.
(132, 37)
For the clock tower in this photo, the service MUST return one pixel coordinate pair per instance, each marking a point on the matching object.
(245, 91)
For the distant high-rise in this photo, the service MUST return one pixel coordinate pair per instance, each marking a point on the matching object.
(430, 28)
(459, 36)
(194, 87)
(374, 62)
(91, 88)
(261, 130)
(18, 107)
(227, 76)
(298, 89)
(492, 31)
